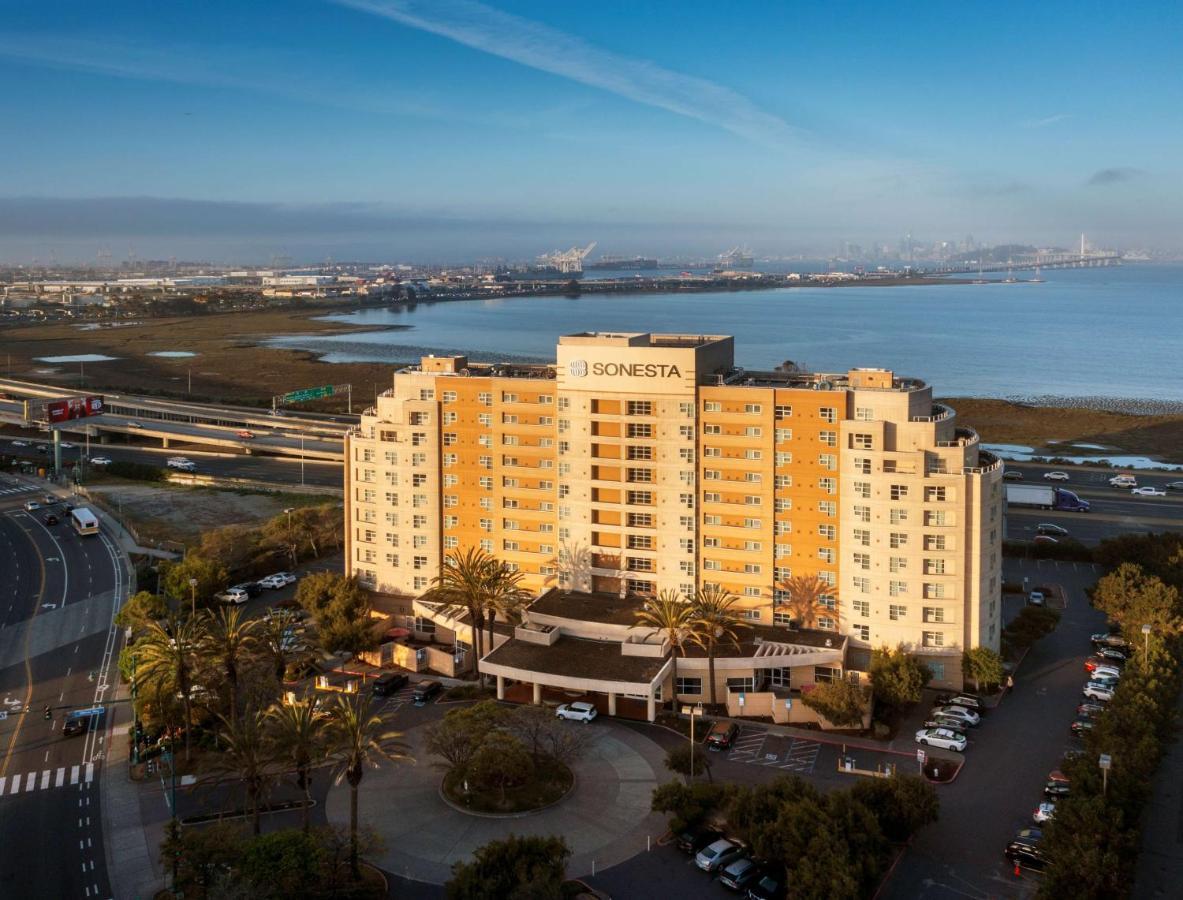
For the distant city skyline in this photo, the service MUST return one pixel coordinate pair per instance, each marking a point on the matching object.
(449, 131)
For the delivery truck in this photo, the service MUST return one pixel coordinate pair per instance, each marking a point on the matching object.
(1044, 497)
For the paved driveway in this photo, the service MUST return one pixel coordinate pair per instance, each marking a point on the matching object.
(1008, 760)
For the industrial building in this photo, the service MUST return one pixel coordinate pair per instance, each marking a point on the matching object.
(642, 462)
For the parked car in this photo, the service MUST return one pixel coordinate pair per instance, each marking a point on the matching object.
(958, 712)
(713, 857)
(1082, 725)
(389, 682)
(1045, 812)
(944, 738)
(1110, 640)
(739, 873)
(51, 519)
(1057, 775)
(277, 580)
(576, 712)
(946, 722)
(969, 701)
(234, 595)
(1044, 539)
(1112, 653)
(1148, 492)
(20, 443)
(1012, 475)
(252, 588)
(1091, 710)
(1056, 476)
(696, 837)
(1035, 598)
(770, 886)
(1094, 691)
(1026, 853)
(1101, 662)
(1106, 670)
(424, 691)
(1104, 679)
(1049, 529)
(722, 735)
(100, 461)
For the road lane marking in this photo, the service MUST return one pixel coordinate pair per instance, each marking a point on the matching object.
(45, 779)
(89, 772)
(61, 777)
(74, 774)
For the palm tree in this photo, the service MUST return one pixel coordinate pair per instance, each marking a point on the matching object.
(228, 638)
(275, 638)
(670, 615)
(506, 596)
(356, 740)
(244, 754)
(297, 736)
(465, 584)
(810, 599)
(713, 620)
(166, 655)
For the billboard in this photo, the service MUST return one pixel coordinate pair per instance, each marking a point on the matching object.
(73, 408)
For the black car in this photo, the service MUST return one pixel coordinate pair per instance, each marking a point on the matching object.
(739, 873)
(252, 588)
(696, 837)
(721, 735)
(1080, 726)
(1114, 653)
(425, 690)
(51, 519)
(390, 682)
(1026, 853)
(770, 885)
(1012, 475)
(971, 702)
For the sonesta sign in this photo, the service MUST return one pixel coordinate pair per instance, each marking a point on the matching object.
(578, 368)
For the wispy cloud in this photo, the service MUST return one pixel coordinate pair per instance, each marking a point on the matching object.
(1115, 175)
(1048, 120)
(545, 48)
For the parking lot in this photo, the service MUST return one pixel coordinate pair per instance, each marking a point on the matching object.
(1009, 758)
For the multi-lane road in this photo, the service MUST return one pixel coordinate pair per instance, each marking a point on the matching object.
(1113, 511)
(57, 650)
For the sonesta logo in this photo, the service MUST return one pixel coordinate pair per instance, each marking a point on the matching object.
(578, 368)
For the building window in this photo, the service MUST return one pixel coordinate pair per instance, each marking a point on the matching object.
(639, 564)
(826, 554)
(692, 686)
(862, 584)
(829, 485)
(863, 537)
(898, 516)
(639, 408)
(862, 560)
(712, 406)
(640, 542)
(897, 563)
(639, 452)
(828, 461)
(635, 586)
(640, 476)
(934, 494)
(934, 542)
(784, 411)
(899, 492)
(898, 539)
(895, 612)
(864, 414)
(862, 608)
(935, 517)
(640, 520)
(862, 632)
(934, 614)
(783, 481)
(639, 430)
(934, 591)
(829, 532)
(934, 567)
(934, 639)
(784, 434)
(826, 623)
(860, 441)
(862, 467)
(784, 458)
(862, 513)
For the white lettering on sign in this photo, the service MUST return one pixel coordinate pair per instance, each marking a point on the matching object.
(633, 370)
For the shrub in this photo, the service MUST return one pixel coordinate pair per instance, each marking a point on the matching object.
(840, 702)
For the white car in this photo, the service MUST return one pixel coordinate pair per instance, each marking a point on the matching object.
(20, 443)
(1148, 492)
(134, 425)
(941, 737)
(1036, 598)
(968, 716)
(278, 580)
(100, 461)
(577, 712)
(1056, 476)
(1123, 481)
(1044, 812)
(1103, 672)
(32, 506)
(66, 445)
(1097, 691)
(234, 595)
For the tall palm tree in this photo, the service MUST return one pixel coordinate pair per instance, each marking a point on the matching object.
(506, 596)
(166, 654)
(714, 620)
(357, 740)
(245, 755)
(275, 637)
(464, 584)
(229, 638)
(810, 599)
(297, 735)
(670, 615)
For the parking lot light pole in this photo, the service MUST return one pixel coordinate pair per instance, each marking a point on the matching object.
(1104, 761)
(1146, 638)
(693, 712)
(193, 597)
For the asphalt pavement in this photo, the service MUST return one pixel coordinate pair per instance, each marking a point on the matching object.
(56, 650)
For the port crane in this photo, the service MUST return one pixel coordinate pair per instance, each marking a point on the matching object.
(567, 261)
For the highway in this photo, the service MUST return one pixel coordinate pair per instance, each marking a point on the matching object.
(1113, 511)
(57, 649)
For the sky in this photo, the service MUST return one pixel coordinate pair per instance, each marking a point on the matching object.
(454, 130)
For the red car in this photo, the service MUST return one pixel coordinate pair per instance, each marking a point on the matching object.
(1090, 664)
(246, 435)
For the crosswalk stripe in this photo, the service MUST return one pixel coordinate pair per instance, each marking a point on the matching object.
(16, 785)
(45, 779)
(3, 781)
(89, 772)
(61, 777)
(74, 774)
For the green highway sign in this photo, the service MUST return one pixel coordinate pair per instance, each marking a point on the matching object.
(315, 393)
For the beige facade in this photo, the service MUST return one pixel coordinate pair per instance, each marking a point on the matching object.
(646, 462)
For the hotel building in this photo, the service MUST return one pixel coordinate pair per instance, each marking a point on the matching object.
(644, 462)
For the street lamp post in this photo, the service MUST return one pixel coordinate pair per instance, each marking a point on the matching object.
(301, 458)
(1146, 638)
(1105, 762)
(193, 597)
(291, 547)
(694, 712)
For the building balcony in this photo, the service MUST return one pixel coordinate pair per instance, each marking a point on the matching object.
(939, 413)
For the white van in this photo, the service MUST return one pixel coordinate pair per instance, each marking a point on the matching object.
(180, 462)
(1123, 481)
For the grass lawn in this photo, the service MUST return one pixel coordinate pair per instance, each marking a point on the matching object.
(550, 781)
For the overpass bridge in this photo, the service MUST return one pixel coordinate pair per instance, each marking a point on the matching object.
(247, 430)
(1028, 263)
